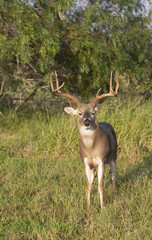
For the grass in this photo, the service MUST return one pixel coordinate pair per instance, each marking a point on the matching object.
(42, 183)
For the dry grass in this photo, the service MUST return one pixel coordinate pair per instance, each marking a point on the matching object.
(42, 182)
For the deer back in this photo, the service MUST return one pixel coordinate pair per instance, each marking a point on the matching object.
(112, 140)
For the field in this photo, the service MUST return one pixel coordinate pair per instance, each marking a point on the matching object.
(42, 183)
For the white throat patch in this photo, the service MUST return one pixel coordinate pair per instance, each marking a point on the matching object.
(86, 131)
(86, 134)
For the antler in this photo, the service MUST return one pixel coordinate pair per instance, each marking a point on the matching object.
(111, 92)
(57, 91)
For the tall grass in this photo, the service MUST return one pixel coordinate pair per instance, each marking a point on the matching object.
(42, 183)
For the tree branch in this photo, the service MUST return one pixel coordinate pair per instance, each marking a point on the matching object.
(25, 101)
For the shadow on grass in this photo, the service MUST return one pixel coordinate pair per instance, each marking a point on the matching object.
(136, 171)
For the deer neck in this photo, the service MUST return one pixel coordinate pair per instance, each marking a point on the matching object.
(88, 135)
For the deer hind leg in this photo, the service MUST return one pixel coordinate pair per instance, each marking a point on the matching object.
(89, 177)
(112, 170)
(100, 183)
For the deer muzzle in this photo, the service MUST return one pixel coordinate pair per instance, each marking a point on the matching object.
(87, 122)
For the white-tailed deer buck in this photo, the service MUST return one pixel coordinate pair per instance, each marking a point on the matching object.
(98, 143)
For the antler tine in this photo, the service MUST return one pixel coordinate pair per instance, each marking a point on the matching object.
(56, 77)
(57, 91)
(70, 103)
(51, 83)
(58, 88)
(117, 85)
(117, 82)
(111, 92)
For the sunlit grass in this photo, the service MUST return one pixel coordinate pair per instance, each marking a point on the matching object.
(42, 184)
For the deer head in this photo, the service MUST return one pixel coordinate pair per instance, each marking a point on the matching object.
(85, 112)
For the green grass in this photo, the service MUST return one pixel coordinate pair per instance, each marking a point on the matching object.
(42, 183)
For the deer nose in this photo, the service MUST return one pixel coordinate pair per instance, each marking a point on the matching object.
(87, 122)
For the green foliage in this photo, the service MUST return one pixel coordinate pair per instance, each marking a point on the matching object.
(111, 36)
(31, 32)
(83, 43)
(42, 190)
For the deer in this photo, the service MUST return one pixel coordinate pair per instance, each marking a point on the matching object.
(98, 142)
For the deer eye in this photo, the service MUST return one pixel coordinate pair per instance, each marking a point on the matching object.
(92, 113)
(80, 114)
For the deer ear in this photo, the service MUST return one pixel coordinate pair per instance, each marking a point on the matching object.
(71, 110)
(97, 107)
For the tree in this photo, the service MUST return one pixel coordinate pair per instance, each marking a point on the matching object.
(29, 40)
(84, 43)
(108, 36)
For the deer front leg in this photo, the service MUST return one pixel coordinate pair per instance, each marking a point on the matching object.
(89, 177)
(100, 182)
